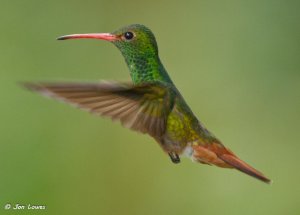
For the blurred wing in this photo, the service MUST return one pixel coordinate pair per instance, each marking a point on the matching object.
(143, 108)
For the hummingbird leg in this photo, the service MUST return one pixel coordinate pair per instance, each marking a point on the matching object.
(174, 157)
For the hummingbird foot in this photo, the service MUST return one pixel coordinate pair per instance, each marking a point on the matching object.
(174, 157)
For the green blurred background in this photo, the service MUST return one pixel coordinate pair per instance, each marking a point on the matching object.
(237, 63)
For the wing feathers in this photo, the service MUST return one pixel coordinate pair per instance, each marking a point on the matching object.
(141, 108)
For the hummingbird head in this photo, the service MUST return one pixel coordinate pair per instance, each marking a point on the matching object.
(132, 40)
(136, 40)
(138, 46)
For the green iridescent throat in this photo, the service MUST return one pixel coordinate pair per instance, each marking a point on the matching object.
(141, 55)
(143, 69)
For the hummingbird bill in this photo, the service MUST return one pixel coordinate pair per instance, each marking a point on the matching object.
(151, 104)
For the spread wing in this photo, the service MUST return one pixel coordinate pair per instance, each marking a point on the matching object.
(143, 108)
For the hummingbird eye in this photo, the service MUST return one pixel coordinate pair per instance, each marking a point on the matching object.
(128, 35)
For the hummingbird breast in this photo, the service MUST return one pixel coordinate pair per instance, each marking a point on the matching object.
(180, 132)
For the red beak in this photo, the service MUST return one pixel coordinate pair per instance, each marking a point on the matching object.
(99, 36)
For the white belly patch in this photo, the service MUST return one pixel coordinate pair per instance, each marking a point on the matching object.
(188, 151)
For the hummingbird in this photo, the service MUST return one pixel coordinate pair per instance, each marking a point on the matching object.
(151, 104)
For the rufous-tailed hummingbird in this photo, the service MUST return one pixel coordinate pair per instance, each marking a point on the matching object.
(151, 104)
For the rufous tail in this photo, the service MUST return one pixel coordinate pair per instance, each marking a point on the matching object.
(219, 155)
(243, 167)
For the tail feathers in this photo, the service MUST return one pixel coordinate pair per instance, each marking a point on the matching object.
(243, 167)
